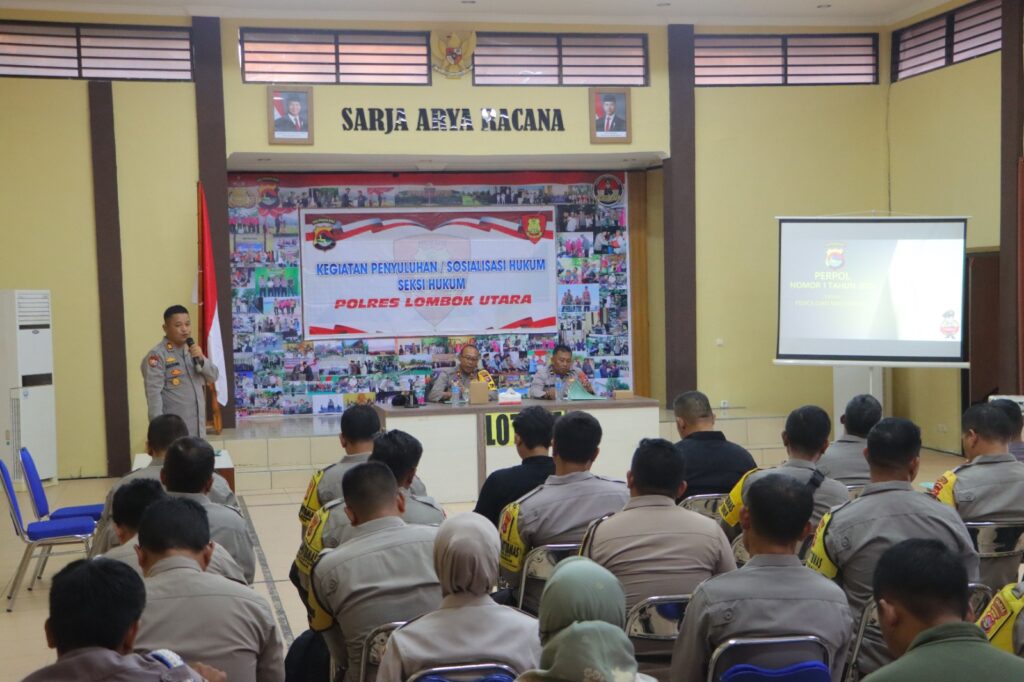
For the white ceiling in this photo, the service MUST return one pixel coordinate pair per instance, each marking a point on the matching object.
(615, 12)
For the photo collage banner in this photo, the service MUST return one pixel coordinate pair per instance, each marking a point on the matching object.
(402, 271)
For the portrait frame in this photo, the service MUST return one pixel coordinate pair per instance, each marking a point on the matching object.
(623, 110)
(278, 99)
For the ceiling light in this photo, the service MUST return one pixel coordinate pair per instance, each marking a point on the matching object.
(824, 6)
(468, 2)
(664, 4)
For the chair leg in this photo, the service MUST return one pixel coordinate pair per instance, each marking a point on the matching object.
(37, 574)
(19, 575)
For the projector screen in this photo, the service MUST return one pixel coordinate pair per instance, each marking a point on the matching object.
(889, 291)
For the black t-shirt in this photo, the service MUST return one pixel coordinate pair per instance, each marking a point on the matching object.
(713, 464)
(505, 486)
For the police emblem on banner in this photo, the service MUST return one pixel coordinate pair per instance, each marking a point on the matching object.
(608, 190)
(835, 256)
(452, 53)
(323, 234)
(534, 226)
(269, 201)
(241, 197)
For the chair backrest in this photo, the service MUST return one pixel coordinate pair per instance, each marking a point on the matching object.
(739, 551)
(811, 671)
(705, 505)
(466, 673)
(12, 500)
(540, 563)
(767, 652)
(978, 597)
(867, 617)
(657, 618)
(854, 491)
(36, 493)
(995, 539)
(373, 648)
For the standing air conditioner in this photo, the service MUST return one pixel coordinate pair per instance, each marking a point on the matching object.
(26, 375)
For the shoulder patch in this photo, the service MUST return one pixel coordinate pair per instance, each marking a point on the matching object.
(944, 488)
(998, 619)
(513, 548)
(818, 558)
(153, 360)
(729, 510)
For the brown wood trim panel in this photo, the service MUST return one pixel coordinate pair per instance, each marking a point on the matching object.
(640, 322)
(680, 218)
(106, 211)
(213, 173)
(1009, 223)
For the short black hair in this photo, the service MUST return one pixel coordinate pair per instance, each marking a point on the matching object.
(174, 523)
(862, 412)
(988, 421)
(359, 423)
(561, 348)
(779, 506)
(534, 425)
(175, 310)
(399, 451)
(468, 345)
(93, 603)
(658, 468)
(692, 405)
(893, 443)
(369, 487)
(132, 499)
(164, 430)
(188, 465)
(807, 429)
(925, 577)
(1012, 412)
(576, 437)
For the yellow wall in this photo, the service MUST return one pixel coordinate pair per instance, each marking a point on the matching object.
(944, 132)
(656, 280)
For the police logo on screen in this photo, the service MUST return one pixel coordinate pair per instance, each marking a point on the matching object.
(835, 256)
(950, 326)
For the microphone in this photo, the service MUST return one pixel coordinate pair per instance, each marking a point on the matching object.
(191, 342)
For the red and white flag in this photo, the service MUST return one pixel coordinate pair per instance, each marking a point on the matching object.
(213, 343)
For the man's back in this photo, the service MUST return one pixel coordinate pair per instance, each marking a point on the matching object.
(505, 486)
(828, 494)
(204, 617)
(951, 652)
(221, 562)
(770, 596)
(845, 462)
(326, 485)
(95, 664)
(228, 529)
(713, 464)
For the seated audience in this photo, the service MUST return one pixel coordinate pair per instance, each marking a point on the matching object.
(163, 431)
(469, 627)
(772, 595)
(188, 473)
(805, 438)
(844, 460)
(582, 620)
(921, 591)
(561, 508)
(1016, 417)
(130, 503)
(532, 428)
(713, 464)
(384, 573)
(990, 486)
(94, 619)
(202, 616)
(852, 538)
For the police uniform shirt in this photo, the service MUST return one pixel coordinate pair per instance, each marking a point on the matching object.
(828, 495)
(713, 464)
(208, 618)
(446, 377)
(220, 564)
(174, 385)
(97, 663)
(770, 596)
(385, 573)
(558, 511)
(656, 548)
(845, 462)
(505, 486)
(544, 378)
(228, 528)
(850, 540)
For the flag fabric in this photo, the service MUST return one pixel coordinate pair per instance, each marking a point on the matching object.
(213, 343)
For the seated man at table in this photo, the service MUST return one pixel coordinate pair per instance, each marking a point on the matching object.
(463, 374)
(559, 510)
(163, 431)
(844, 460)
(713, 464)
(553, 381)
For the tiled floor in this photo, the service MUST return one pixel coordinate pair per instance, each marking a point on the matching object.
(274, 518)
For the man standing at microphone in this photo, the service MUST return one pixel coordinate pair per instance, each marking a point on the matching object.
(175, 372)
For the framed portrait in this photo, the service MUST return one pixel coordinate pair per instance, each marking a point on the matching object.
(289, 114)
(610, 116)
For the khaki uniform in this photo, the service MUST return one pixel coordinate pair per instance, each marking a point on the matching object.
(385, 573)
(96, 663)
(850, 540)
(466, 628)
(174, 385)
(228, 528)
(828, 495)
(105, 538)
(845, 462)
(221, 562)
(207, 618)
(988, 488)
(544, 378)
(770, 596)
(557, 511)
(446, 377)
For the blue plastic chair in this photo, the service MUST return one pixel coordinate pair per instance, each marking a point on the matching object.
(37, 493)
(42, 535)
(811, 671)
(471, 672)
(797, 658)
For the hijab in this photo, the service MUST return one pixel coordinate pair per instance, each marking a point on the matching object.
(580, 590)
(466, 555)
